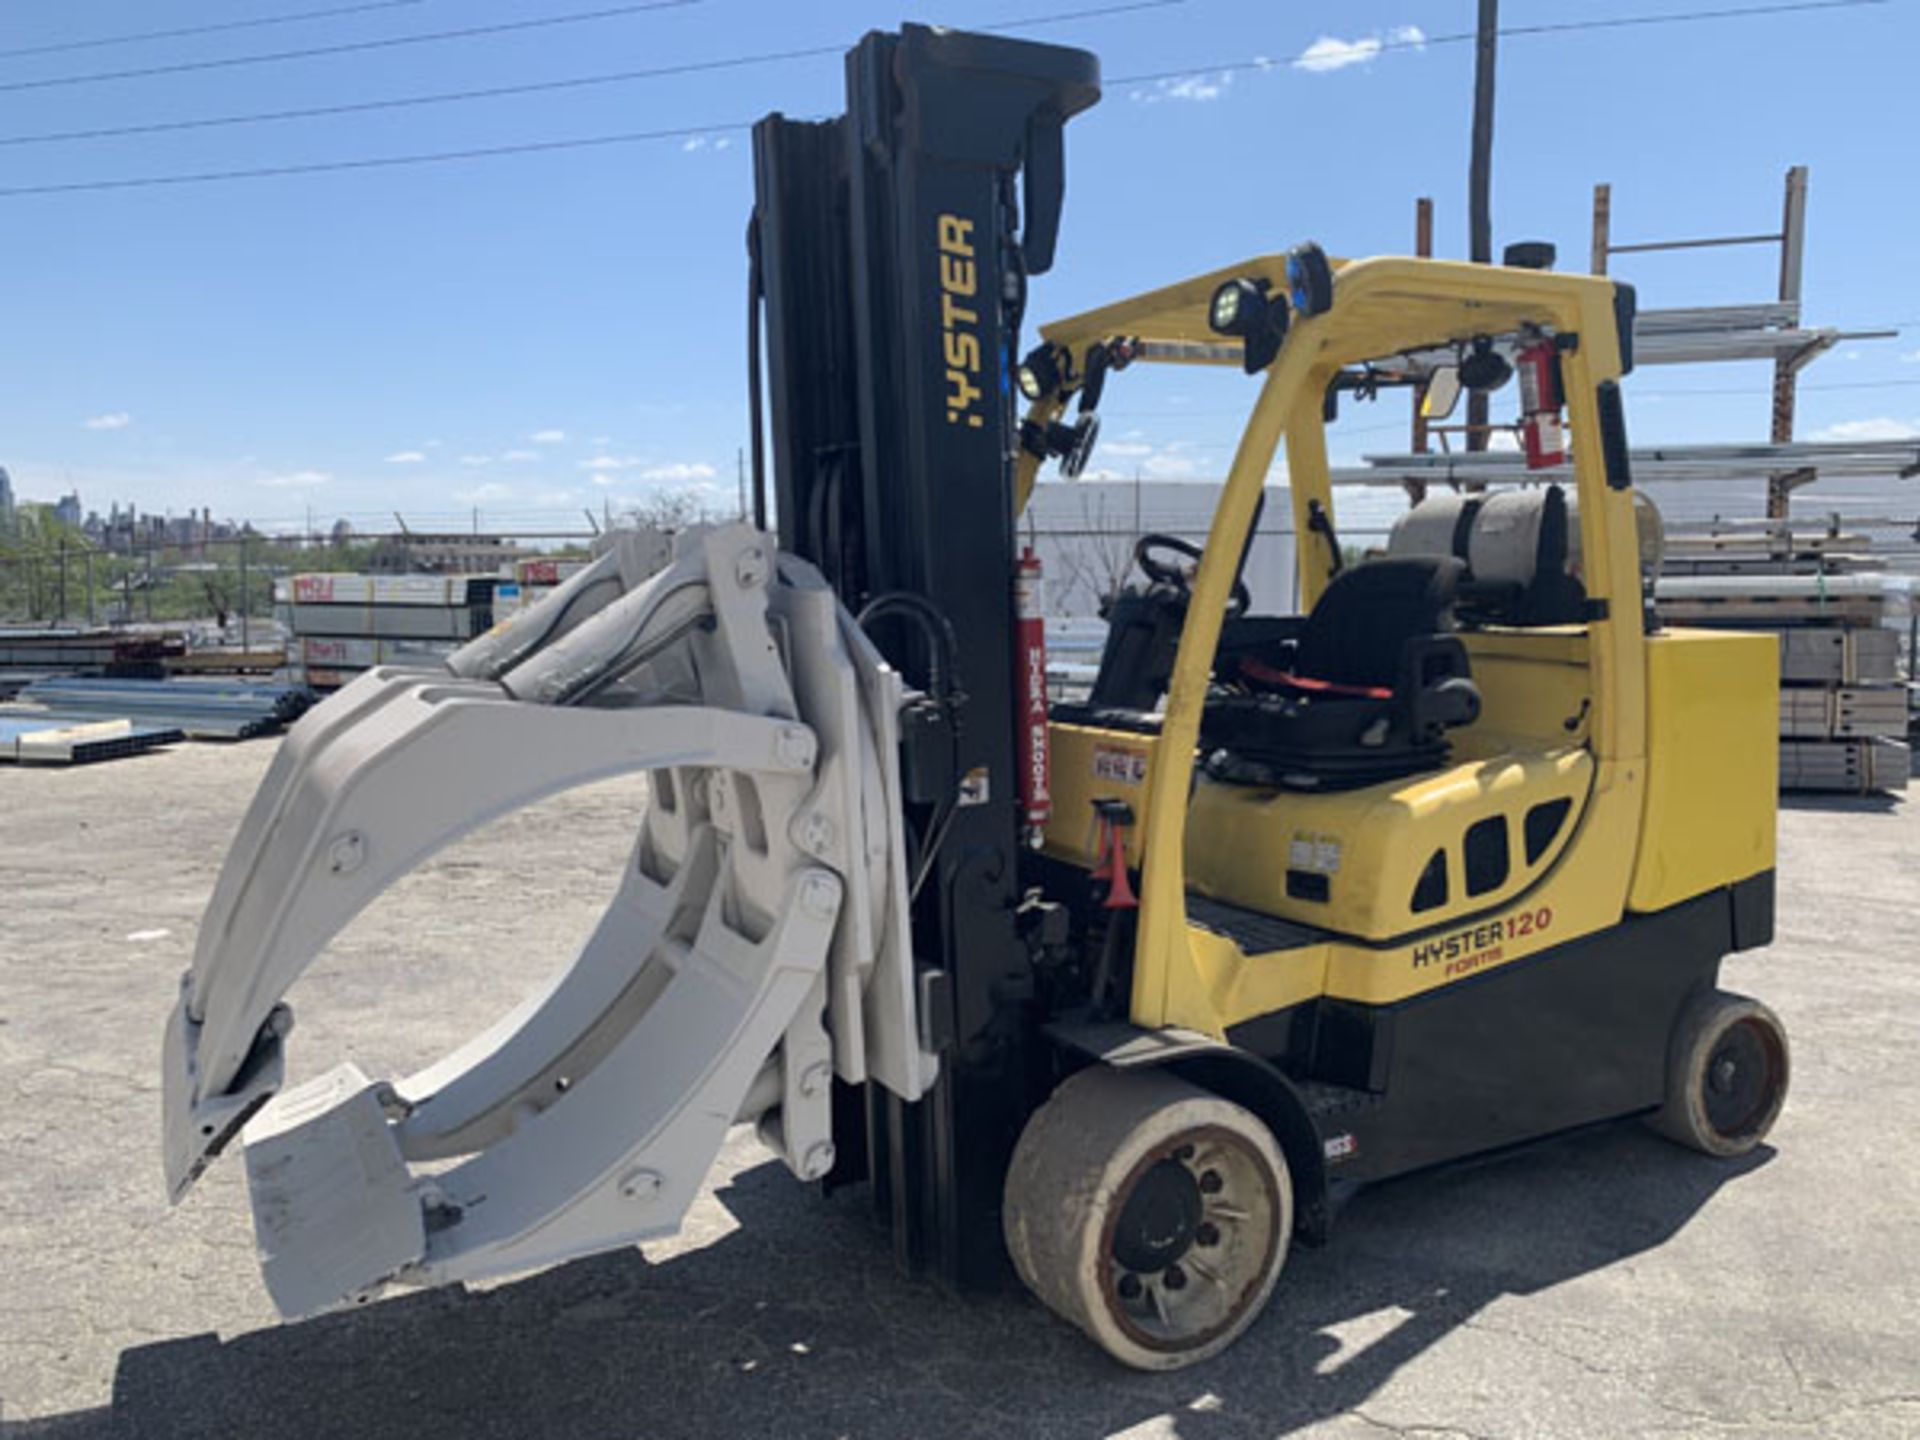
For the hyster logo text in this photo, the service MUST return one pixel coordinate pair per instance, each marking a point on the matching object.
(1481, 945)
(960, 322)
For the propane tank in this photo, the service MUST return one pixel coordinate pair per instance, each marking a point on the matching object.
(1430, 527)
(1542, 436)
(1030, 691)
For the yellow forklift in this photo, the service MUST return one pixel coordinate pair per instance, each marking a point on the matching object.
(1126, 990)
(1457, 851)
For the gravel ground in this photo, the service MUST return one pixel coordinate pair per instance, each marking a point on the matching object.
(1599, 1284)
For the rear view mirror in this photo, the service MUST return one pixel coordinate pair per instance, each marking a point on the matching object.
(1443, 393)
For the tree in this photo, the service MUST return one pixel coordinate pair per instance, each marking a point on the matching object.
(1095, 558)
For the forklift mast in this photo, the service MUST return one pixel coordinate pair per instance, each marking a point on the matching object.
(891, 249)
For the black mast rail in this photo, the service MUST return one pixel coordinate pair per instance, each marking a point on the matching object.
(891, 248)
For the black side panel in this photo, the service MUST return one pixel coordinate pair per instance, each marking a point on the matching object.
(1576, 1035)
(1752, 901)
(893, 256)
(1561, 1039)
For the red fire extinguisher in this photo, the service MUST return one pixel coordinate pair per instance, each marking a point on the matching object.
(1542, 435)
(1030, 691)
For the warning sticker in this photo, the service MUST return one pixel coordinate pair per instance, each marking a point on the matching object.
(1123, 767)
(1319, 854)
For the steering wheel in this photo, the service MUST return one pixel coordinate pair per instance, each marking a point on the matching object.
(1164, 572)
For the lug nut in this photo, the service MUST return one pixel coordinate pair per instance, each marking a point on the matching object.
(1211, 1183)
(1129, 1286)
(1174, 1278)
(1206, 1233)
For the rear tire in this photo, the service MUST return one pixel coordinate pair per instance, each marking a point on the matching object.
(1727, 1071)
(1150, 1213)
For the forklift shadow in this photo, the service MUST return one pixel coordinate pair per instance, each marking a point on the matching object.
(798, 1324)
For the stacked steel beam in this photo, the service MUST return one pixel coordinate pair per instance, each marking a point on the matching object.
(202, 709)
(1843, 706)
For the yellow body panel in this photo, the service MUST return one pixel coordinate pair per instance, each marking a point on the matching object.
(1088, 764)
(1239, 987)
(1713, 712)
(1535, 689)
(1575, 896)
(1370, 846)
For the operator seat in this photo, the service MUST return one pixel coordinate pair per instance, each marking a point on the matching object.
(1364, 692)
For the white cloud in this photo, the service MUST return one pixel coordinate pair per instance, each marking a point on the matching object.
(476, 459)
(1912, 357)
(295, 480)
(601, 441)
(1880, 427)
(1327, 53)
(680, 472)
(606, 462)
(557, 497)
(432, 445)
(548, 437)
(693, 143)
(603, 479)
(485, 493)
(520, 456)
(1503, 440)
(1125, 449)
(1199, 86)
(406, 457)
(113, 420)
(1331, 53)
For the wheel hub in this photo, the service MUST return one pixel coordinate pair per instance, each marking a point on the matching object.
(1160, 1219)
(1740, 1080)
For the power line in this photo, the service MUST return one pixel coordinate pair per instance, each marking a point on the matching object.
(691, 67)
(442, 98)
(349, 47)
(1461, 37)
(221, 26)
(380, 162)
(630, 137)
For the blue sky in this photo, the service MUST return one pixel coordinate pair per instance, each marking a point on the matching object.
(535, 334)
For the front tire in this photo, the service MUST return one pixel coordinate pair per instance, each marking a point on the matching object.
(1152, 1214)
(1727, 1071)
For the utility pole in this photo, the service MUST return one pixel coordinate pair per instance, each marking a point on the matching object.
(1423, 248)
(1480, 184)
